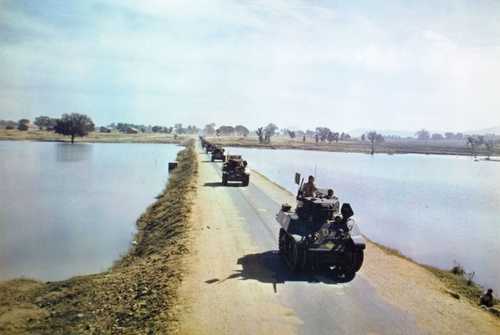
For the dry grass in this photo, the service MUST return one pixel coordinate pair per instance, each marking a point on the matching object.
(94, 137)
(456, 279)
(136, 296)
(438, 147)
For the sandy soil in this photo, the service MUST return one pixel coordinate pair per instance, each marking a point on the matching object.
(212, 304)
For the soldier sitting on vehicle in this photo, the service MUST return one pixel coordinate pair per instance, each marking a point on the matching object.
(487, 299)
(309, 189)
(330, 194)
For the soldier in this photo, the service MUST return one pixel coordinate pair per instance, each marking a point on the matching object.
(309, 188)
(487, 299)
(330, 194)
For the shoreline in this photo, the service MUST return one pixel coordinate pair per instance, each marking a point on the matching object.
(389, 148)
(136, 294)
(93, 137)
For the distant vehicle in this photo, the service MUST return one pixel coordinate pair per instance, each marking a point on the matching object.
(209, 147)
(235, 169)
(316, 236)
(218, 154)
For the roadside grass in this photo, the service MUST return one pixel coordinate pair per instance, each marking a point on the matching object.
(136, 295)
(456, 280)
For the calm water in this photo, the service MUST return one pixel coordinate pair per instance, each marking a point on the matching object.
(71, 209)
(435, 209)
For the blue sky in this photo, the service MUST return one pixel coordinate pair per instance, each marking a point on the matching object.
(344, 64)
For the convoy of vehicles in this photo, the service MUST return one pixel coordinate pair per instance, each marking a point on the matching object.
(318, 235)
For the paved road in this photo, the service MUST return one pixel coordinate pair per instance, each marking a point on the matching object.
(324, 305)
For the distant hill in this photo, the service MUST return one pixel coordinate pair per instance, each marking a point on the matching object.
(385, 132)
(491, 130)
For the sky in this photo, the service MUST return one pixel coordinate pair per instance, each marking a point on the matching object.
(395, 64)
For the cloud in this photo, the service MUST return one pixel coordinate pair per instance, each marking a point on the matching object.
(292, 62)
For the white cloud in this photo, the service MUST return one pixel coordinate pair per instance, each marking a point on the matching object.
(254, 61)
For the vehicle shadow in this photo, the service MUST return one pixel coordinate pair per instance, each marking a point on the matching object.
(219, 184)
(268, 267)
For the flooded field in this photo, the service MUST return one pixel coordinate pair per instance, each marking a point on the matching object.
(436, 209)
(71, 209)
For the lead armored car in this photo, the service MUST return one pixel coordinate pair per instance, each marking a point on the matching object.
(235, 169)
(317, 236)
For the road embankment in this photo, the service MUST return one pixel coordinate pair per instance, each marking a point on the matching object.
(236, 282)
(136, 295)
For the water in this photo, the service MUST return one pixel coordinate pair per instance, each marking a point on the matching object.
(71, 209)
(435, 209)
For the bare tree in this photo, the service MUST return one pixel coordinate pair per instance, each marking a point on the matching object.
(374, 138)
(260, 134)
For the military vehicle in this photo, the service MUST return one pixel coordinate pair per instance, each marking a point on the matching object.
(209, 147)
(218, 154)
(317, 236)
(235, 169)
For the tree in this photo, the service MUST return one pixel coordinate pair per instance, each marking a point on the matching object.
(323, 133)
(437, 136)
(422, 134)
(74, 125)
(209, 129)
(363, 137)
(449, 135)
(490, 148)
(260, 134)
(333, 137)
(473, 143)
(23, 124)
(269, 131)
(241, 130)
(225, 131)
(374, 138)
(179, 129)
(45, 122)
(291, 133)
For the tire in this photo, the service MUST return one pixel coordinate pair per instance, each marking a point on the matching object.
(282, 243)
(357, 260)
(295, 255)
(213, 159)
(224, 181)
(246, 181)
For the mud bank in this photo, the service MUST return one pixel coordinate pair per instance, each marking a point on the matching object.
(136, 295)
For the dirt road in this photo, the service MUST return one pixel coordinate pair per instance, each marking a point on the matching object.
(237, 283)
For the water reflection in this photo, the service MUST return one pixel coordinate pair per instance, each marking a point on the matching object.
(76, 152)
(58, 219)
(435, 209)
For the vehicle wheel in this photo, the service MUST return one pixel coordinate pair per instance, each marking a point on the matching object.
(295, 256)
(357, 260)
(224, 181)
(282, 243)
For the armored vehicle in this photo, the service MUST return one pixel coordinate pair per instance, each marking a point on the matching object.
(235, 169)
(317, 236)
(218, 154)
(209, 147)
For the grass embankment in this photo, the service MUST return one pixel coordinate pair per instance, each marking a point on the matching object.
(93, 137)
(403, 146)
(135, 296)
(456, 279)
